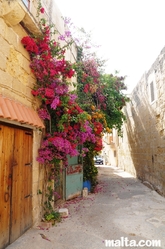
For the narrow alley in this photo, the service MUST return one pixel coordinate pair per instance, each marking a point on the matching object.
(122, 207)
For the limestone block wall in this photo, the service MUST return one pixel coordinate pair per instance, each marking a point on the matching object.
(16, 79)
(141, 151)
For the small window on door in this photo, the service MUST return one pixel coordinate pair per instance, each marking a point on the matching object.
(152, 91)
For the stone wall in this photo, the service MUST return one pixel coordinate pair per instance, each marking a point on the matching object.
(141, 151)
(16, 79)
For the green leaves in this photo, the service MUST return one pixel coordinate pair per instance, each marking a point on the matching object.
(53, 216)
(115, 100)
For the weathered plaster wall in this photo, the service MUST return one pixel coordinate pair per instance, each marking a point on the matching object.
(141, 151)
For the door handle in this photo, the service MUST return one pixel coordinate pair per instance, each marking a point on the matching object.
(6, 196)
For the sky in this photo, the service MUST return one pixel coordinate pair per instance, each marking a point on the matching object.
(131, 33)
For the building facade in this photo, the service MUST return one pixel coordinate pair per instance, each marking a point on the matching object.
(21, 129)
(141, 150)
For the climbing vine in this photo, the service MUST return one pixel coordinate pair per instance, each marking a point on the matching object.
(72, 118)
(101, 96)
(67, 124)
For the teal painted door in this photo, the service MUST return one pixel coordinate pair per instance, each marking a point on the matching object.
(74, 178)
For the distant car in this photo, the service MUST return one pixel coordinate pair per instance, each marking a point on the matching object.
(98, 160)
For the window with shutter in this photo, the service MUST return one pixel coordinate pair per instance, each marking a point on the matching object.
(152, 91)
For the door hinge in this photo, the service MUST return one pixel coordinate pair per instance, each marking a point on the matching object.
(28, 196)
(28, 133)
(28, 164)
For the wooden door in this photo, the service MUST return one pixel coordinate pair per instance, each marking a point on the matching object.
(16, 168)
(6, 154)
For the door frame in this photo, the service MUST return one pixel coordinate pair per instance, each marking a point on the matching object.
(20, 144)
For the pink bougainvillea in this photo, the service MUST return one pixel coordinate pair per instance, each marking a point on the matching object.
(69, 126)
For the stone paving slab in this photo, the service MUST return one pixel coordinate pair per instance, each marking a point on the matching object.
(121, 207)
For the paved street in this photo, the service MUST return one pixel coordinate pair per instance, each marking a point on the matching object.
(122, 207)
